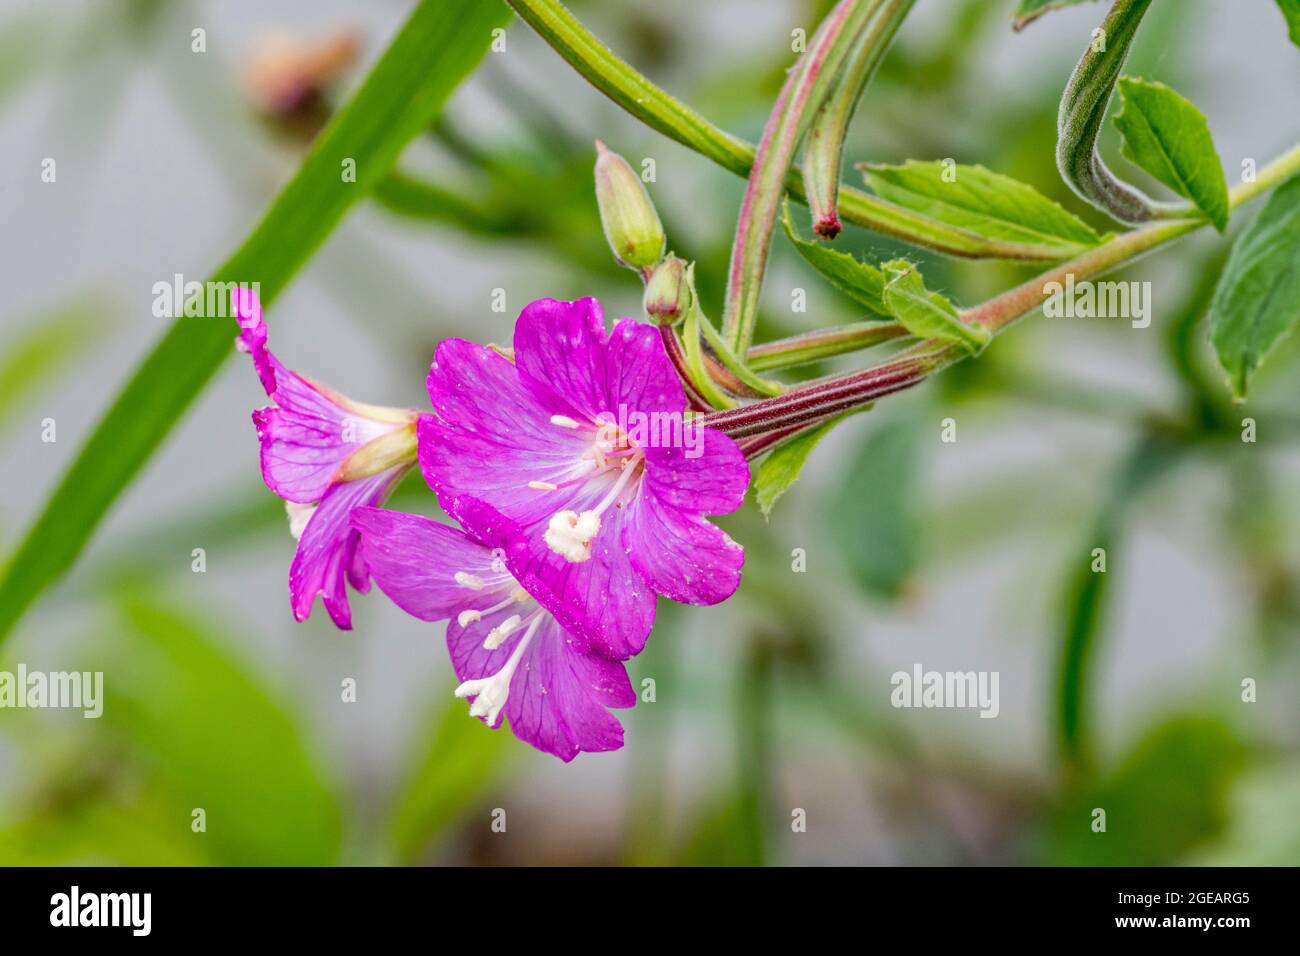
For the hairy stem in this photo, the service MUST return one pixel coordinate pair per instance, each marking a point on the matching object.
(806, 88)
(820, 344)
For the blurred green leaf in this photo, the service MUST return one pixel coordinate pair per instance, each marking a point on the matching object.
(418, 198)
(1087, 590)
(1169, 137)
(98, 828)
(721, 836)
(1291, 10)
(452, 770)
(218, 741)
(439, 45)
(24, 43)
(1257, 303)
(44, 347)
(1168, 795)
(1264, 828)
(781, 468)
(1031, 10)
(875, 514)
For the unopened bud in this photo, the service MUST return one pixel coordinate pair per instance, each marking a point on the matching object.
(627, 215)
(667, 293)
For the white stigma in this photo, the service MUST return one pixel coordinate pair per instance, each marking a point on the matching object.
(490, 693)
(471, 581)
(569, 534)
(564, 421)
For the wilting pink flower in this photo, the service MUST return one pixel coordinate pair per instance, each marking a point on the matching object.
(324, 455)
(583, 444)
(509, 653)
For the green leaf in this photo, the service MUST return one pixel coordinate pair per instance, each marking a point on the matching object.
(1291, 10)
(218, 740)
(1031, 10)
(46, 344)
(927, 314)
(437, 47)
(1257, 303)
(863, 283)
(875, 515)
(982, 202)
(781, 467)
(1263, 821)
(1169, 795)
(452, 770)
(1169, 138)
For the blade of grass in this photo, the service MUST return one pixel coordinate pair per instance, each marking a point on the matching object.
(437, 47)
(1087, 595)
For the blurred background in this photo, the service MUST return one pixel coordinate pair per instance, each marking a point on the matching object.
(1072, 434)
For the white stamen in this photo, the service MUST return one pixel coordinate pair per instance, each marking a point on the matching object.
(564, 421)
(471, 581)
(299, 515)
(466, 618)
(520, 595)
(490, 693)
(501, 632)
(542, 486)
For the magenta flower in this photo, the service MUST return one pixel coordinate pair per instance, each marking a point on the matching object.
(509, 653)
(584, 445)
(325, 455)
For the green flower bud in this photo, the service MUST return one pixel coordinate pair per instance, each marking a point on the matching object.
(667, 293)
(627, 215)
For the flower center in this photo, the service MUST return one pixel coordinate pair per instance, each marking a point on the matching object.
(570, 533)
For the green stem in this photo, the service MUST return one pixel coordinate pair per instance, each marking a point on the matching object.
(674, 119)
(820, 344)
(1004, 310)
(814, 402)
(806, 88)
(700, 373)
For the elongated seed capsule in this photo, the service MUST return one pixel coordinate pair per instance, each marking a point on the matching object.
(824, 145)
